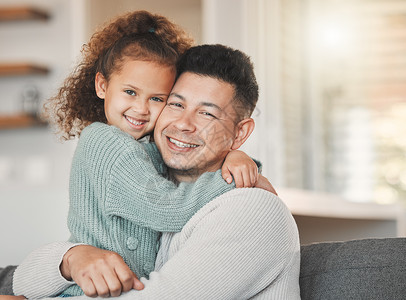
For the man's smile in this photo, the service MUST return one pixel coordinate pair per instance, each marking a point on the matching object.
(182, 144)
(176, 144)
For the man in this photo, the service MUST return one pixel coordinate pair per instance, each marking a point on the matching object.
(243, 244)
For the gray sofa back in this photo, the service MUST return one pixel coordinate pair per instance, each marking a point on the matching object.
(361, 269)
(6, 280)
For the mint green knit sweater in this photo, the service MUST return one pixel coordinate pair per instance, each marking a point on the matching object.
(120, 201)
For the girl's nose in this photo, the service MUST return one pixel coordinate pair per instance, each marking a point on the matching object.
(141, 107)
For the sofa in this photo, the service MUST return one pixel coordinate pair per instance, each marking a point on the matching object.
(369, 269)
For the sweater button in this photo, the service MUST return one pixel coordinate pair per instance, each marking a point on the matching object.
(132, 243)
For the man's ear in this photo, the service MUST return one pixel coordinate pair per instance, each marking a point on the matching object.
(100, 84)
(244, 130)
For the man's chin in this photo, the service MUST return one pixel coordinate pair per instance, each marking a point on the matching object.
(182, 168)
(189, 175)
(179, 168)
(178, 162)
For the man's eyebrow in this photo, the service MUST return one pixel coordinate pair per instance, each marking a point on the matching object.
(177, 96)
(210, 104)
(203, 103)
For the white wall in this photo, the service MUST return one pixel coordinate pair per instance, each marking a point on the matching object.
(34, 166)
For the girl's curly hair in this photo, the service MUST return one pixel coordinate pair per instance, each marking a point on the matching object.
(137, 35)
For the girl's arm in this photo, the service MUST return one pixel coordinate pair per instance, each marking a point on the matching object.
(240, 166)
(134, 189)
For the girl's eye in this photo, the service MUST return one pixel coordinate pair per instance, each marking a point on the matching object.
(130, 92)
(157, 99)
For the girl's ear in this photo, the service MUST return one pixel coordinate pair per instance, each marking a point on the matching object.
(100, 85)
(243, 131)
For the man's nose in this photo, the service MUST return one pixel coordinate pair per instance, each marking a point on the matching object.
(185, 122)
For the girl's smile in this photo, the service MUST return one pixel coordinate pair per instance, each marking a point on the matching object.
(135, 123)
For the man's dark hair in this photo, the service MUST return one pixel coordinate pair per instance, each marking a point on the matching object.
(228, 65)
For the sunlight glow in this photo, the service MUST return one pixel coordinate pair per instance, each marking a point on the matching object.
(334, 36)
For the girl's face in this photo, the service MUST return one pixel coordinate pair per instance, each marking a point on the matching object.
(135, 96)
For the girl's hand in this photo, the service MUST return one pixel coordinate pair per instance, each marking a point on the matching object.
(240, 166)
(98, 272)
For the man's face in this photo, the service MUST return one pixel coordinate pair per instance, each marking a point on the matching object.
(197, 127)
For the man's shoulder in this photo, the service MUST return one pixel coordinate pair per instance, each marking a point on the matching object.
(242, 213)
(242, 201)
(251, 196)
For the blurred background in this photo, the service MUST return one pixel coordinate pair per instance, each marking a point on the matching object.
(331, 119)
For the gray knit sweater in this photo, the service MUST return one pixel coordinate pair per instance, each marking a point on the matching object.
(119, 200)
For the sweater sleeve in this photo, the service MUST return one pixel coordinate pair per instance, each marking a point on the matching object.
(136, 190)
(38, 275)
(243, 245)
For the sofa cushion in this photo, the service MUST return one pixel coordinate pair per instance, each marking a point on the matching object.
(6, 280)
(360, 269)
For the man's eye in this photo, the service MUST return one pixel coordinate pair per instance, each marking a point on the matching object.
(175, 104)
(130, 92)
(205, 113)
(157, 99)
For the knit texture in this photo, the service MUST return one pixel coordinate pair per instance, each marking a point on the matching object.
(119, 200)
(41, 266)
(242, 245)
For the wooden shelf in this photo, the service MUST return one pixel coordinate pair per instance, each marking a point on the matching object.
(21, 13)
(18, 69)
(19, 121)
(18, 13)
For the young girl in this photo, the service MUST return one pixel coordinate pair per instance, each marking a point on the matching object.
(112, 101)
